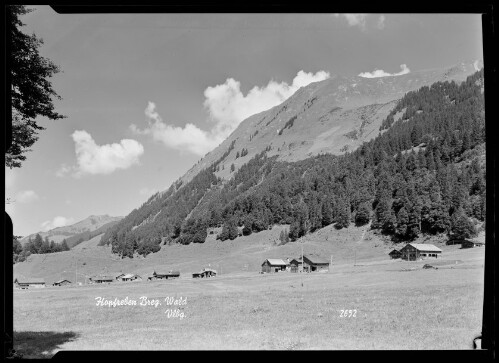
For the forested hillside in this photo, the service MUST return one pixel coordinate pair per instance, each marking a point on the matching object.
(424, 174)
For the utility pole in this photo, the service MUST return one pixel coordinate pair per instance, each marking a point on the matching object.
(302, 266)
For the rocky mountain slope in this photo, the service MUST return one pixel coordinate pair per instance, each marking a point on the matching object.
(332, 116)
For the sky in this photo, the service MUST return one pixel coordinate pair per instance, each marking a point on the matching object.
(148, 95)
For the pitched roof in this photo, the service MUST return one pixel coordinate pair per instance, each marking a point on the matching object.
(276, 261)
(315, 259)
(394, 250)
(103, 278)
(128, 276)
(60, 281)
(163, 273)
(30, 280)
(425, 247)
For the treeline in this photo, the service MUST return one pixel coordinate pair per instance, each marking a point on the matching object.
(404, 193)
(424, 175)
(38, 245)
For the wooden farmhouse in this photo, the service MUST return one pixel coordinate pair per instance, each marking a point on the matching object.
(28, 283)
(295, 265)
(130, 277)
(395, 254)
(61, 283)
(164, 275)
(309, 264)
(417, 251)
(206, 272)
(102, 279)
(471, 244)
(273, 265)
(314, 263)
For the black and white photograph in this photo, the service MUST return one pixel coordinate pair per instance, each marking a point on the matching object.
(246, 181)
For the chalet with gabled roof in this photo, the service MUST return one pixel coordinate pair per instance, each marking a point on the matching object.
(30, 282)
(273, 265)
(418, 251)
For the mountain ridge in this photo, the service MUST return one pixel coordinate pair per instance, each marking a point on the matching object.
(89, 224)
(350, 94)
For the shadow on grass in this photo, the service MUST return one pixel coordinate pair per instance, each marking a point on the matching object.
(33, 344)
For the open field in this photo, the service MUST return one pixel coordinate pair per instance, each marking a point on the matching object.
(398, 305)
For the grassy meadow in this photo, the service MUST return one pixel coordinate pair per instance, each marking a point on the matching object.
(397, 304)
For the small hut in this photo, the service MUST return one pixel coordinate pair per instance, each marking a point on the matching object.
(395, 254)
(102, 279)
(314, 263)
(165, 275)
(31, 282)
(205, 272)
(471, 244)
(61, 283)
(295, 264)
(273, 265)
(131, 277)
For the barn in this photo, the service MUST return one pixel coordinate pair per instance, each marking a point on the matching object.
(471, 244)
(30, 282)
(61, 283)
(164, 275)
(206, 272)
(131, 277)
(416, 251)
(273, 265)
(395, 254)
(314, 263)
(102, 279)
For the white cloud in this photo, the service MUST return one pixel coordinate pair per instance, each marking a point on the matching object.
(381, 22)
(360, 20)
(227, 107)
(58, 221)
(477, 65)
(101, 159)
(381, 73)
(355, 19)
(26, 196)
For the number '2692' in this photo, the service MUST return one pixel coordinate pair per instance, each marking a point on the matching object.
(348, 313)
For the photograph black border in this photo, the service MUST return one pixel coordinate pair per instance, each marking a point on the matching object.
(490, 39)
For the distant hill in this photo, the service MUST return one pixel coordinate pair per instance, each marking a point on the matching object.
(78, 232)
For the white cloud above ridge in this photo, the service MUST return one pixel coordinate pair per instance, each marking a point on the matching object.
(381, 73)
(93, 159)
(227, 107)
(58, 221)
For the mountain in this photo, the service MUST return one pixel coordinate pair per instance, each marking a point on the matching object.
(330, 116)
(81, 230)
(300, 164)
